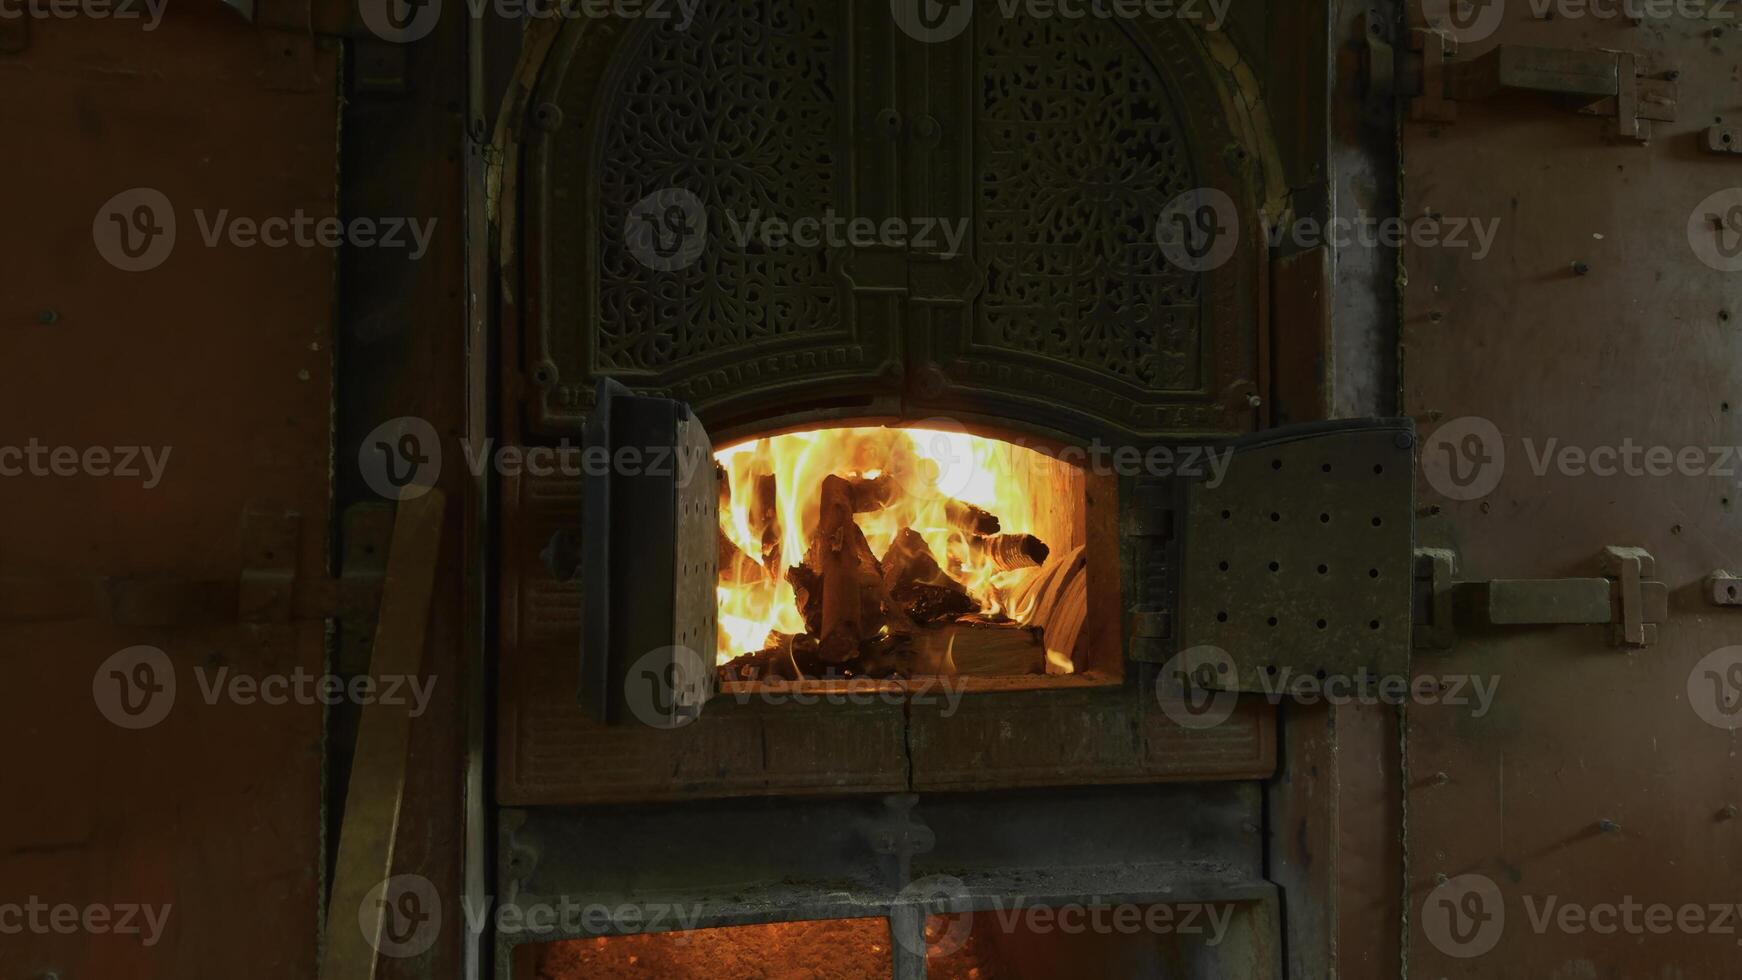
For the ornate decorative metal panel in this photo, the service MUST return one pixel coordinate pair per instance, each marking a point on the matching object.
(1082, 132)
(1053, 145)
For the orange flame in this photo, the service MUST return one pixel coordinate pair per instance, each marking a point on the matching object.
(1029, 491)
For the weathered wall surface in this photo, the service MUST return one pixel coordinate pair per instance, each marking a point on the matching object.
(1601, 776)
(218, 361)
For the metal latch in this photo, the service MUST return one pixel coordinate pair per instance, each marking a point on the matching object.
(1597, 83)
(1623, 596)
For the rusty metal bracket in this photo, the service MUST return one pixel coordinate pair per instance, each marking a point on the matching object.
(1426, 69)
(267, 590)
(1721, 140)
(1589, 82)
(1622, 596)
(1723, 589)
(897, 836)
(1378, 59)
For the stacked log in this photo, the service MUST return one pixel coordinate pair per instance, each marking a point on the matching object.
(918, 584)
(862, 613)
(852, 578)
(1008, 552)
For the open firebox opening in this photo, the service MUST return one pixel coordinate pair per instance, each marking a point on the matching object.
(900, 552)
(988, 945)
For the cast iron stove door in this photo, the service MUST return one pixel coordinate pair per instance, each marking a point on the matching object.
(650, 534)
(1295, 563)
(993, 193)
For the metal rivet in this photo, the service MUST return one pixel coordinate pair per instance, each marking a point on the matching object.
(48, 317)
(1608, 826)
(1581, 269)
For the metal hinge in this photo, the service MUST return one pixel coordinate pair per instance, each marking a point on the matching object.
(1622, 595)
(1596, 83)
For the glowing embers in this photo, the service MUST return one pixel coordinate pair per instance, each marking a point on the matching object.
(835, 948)
(880, 552)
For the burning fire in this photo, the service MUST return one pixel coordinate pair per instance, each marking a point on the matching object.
(770, 507)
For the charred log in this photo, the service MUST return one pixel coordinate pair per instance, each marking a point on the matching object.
(1008, 552)
(852, 578)
(807, 591)
(872, 494)
(918, 587)
(764, 518)
(971, 519)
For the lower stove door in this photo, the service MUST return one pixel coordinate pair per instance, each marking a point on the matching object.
(1137, 882)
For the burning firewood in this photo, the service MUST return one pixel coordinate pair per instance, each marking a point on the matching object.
(737, 568)
(875, 493)
(918, 586)
(852, 578)
(872, 493)
(764, 518)
(1008, 552)
(970, 518)
(807, 592)
(783, 657)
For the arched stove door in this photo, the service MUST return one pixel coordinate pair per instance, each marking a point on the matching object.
(807, 208)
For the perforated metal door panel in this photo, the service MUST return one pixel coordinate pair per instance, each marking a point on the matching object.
(1297, 562)
(652, 557)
